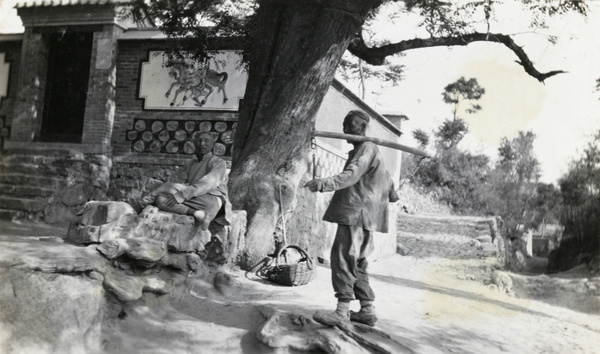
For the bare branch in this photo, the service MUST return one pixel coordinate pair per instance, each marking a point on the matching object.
(377, 55)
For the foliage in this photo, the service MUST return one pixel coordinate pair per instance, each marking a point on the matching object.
(451, 133)
(453, 130)
(514, 181)
(463, 90)
(457, 176)
(422, 137)
(545, 204)
(192, 25)
(580, 192)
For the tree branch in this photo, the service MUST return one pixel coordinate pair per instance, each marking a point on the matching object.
(377, 55)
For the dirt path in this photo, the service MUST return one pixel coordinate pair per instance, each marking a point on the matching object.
(428, 302)
(420, 302)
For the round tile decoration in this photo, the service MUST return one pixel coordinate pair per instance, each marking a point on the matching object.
(147, 136)
(195, 135)
(140, 125)
(205, 126)
(219, 149)
(180, 135)
(220, 126)
(172, 147)
(157, 126)
(155, 146)
(172, 125)
(190, 126)
(164, 136)
(139, 146)
(227, 137)
(132, 135)
(189, 147)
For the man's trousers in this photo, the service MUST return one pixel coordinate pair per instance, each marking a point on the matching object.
(350, 248)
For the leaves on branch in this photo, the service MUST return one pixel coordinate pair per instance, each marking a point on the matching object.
(377, 55)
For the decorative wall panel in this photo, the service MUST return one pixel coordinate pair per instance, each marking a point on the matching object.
(219, 83)
(177, 136)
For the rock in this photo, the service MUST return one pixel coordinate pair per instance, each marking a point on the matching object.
(485, 239)
(179, 232)
(145, 249)
(51, 313)
(299, 332)
(75, 195)
(104, 221)
(475, 243)
(233, 237)
(58, 213)
(225, 283)
(213, 251)
(139, 249)
(96, 276)
(127, 287)
(98, 213)
(502, 280)
(112, 249)
(401, 249)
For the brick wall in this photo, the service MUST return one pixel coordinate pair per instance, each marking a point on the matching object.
(32, 80)
(12, 56)
(140, 167)
(100, 103)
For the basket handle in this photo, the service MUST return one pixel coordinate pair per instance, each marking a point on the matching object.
(300, 250)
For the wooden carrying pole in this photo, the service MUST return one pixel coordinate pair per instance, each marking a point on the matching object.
(377, 141)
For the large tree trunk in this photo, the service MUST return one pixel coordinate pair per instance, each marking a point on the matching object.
(296, 47)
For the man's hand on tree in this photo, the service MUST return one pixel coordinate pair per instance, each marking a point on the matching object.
(315, 185)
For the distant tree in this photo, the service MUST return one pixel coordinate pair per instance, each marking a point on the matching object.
(514, 181)
(463, 91)
(451, 132)
(421, 137)
(456, 175)
(545, 205)
(459, 92)
(580, 192)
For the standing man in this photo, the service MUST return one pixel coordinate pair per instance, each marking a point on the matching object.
(204, 191)
(360, 207)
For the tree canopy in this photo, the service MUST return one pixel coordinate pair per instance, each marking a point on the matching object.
(447, 24)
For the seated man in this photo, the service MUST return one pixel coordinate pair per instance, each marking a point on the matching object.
(204, 191)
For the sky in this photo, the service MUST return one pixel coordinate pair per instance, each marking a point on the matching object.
(563, 112)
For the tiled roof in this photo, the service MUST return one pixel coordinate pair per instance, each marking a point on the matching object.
(40, 3)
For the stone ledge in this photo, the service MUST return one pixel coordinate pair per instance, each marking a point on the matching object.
(47, 147)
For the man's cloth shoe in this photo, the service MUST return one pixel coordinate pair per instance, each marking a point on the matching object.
(332, 319)
(365, 317)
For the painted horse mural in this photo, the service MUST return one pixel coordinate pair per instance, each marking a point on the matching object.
(195, 83)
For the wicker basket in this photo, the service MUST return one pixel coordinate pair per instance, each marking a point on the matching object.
(293, 274)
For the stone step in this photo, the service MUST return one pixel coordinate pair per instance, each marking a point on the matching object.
(6, 214)
(24, 191)
(23, 204)
(34, 169)
(43, 156)
(21, 179)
